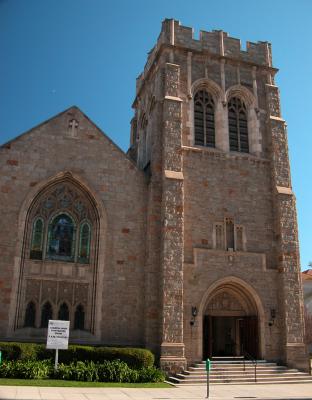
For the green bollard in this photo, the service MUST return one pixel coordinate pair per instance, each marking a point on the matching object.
(208, 368)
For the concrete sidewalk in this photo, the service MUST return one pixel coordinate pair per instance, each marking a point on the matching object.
(284, 391)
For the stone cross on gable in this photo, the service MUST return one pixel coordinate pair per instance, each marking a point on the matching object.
(72, 128)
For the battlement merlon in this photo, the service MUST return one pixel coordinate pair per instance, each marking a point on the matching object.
(216, 43)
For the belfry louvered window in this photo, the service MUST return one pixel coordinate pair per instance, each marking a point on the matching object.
(204, 119)
(238, 129)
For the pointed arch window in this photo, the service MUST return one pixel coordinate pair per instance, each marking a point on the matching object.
(84, 243)
(30, 315)
(238, 128)
(79, 317)
(61, 238)
(37, 239)
(229, 231)
(46, 314)
(63, 313)
(204, 119)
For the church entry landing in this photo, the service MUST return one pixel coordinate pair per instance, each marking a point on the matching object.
(230, 324)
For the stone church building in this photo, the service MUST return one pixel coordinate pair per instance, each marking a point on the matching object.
(187, 244)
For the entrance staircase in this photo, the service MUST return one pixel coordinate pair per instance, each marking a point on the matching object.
(236, 370)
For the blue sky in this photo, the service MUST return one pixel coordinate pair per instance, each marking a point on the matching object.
(58, 53)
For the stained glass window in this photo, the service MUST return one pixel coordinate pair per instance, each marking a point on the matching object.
(61, 239)
(79, 317)
(84, 243)
(37, 240)
(63, 313)
(46, 314)
(204, 120)
(238, 130)
(30, 315)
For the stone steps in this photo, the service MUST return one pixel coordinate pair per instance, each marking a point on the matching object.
(232, 372)
(238, 373)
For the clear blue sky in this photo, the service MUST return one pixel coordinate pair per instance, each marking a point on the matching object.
(58, 53)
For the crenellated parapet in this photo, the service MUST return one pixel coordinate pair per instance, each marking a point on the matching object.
(217, 43)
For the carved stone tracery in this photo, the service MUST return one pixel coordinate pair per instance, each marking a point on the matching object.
(225, 302)
(63, 197)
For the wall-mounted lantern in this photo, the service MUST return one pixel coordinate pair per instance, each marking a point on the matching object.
(194, 315)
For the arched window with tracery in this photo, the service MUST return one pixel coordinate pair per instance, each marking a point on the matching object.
(61, 238)
(37, 239)
(238, 128)
(204, 119)
(30, 315)
(63, 313)
(79, 320)
(46, 314)
(62, 228)
(84, 243)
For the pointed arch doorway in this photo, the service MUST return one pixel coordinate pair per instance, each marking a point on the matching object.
(231, 322)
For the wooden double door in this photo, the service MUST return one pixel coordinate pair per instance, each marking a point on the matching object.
(230, 336)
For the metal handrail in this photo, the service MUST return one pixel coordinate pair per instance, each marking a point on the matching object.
(253, 360)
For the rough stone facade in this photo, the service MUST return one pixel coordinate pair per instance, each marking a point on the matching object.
(181, 234)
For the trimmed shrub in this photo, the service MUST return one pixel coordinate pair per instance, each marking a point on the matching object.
(150, 374)
(80, 371)
(108, 371)
(26, 369)
(135, 358)
(10, 351)
(115, 371)
(19, 351)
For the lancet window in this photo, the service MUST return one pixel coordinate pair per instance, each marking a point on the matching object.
(63, 313)
(238, 128)
(204, 119)
(84, 243)
(30, 315)
(37, 239)
(79, 317)
(229, 236)
(46, 314)
(61, 238)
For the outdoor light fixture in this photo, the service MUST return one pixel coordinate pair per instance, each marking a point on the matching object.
(194, 315)
(273, 316)
(273, 313)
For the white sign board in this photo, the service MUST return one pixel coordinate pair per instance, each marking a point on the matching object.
(58, 334)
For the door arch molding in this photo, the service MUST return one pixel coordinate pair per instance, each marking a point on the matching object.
(242, 287)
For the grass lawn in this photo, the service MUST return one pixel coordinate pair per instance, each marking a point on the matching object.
(61, 383)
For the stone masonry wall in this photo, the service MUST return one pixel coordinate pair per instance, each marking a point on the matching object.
(47, 151)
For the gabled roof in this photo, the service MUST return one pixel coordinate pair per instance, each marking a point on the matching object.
(73, 109)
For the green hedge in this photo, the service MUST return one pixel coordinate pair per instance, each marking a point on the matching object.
(108, 371)
(134, 357)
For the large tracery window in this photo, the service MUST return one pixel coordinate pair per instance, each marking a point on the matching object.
(204, 119)
(61, 238)
(238, 129)
(61, 227)
(60, 264)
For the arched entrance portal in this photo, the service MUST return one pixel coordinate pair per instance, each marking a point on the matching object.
(230, 322)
